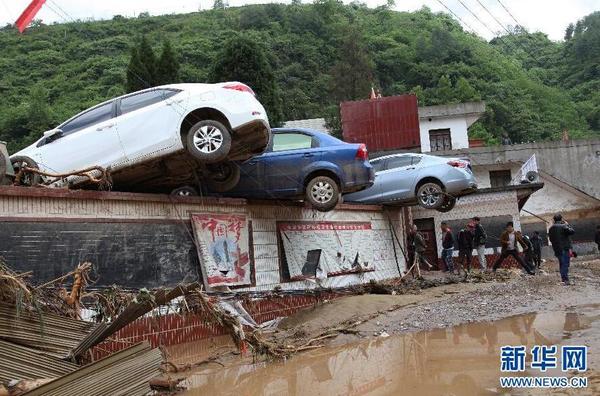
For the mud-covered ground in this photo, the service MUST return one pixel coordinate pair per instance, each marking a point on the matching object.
(457, 303)
(350, 322)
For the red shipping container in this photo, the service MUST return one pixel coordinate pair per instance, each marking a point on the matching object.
(390, 123)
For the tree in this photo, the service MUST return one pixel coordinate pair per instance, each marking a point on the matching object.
(242, 59)
(569, 32)
(219, 5)
(141, 71)
(444, 91)
(352, 74)
(167, 70)
(464, 92)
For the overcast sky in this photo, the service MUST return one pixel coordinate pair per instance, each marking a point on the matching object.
(548, 16)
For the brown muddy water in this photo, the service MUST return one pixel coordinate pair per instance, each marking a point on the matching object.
(461, 360)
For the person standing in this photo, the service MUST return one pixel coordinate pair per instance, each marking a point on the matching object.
(536, 242)
(420, 248)
(509, 240)
(560, 238)
(465, 247)
(447, 246)
(527, 253)
(479, 240)
(597, 239)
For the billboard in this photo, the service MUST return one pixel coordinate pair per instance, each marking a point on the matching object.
(223, 247)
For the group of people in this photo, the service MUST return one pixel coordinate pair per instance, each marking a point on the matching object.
(474, 237)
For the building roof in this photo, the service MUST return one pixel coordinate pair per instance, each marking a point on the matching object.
(450, 110)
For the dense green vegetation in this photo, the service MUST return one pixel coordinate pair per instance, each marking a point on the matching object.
(319, 54)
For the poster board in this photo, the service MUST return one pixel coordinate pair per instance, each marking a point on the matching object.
(223, 248)
(323, 249)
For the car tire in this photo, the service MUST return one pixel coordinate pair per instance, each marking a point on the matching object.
(28, 179)
(223, 177)
(430, 195)
(184, 191)
(322, 193)
(448, 204)
(209, 141)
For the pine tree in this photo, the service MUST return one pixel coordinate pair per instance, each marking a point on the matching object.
(168, 66)
(352, 74)
(569, 32)
(242, 59)
(141, 72)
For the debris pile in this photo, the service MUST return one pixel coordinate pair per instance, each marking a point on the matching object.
(41, 331)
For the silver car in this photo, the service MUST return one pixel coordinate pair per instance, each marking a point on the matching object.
(430, 181)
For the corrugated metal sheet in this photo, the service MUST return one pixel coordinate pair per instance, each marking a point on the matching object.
(124, 373)
(389, 123)
(132, 312)
(19, 362)
(53, 334)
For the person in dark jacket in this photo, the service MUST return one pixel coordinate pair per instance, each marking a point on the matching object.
(527, 253)
(447, 246)
(597, 239)
(465, 247)
(560, 238)
(536, 242)
(509, 239)
(420, 248)
(479, 240)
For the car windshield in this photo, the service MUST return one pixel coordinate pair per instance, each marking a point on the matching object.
(377, 165)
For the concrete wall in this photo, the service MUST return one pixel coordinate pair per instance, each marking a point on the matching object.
(144, 240)
(576, 163)
(502, 206)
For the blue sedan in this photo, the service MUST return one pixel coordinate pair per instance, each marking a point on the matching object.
(305, 163)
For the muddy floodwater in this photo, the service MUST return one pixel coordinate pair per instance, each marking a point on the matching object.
(460, 360)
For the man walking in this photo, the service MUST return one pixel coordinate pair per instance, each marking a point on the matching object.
(536, 242)
(560, 238)
(479, 239)
(509, 240)
(465, 247)
(447, 246)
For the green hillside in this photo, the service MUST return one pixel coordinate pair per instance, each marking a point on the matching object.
(320, 53)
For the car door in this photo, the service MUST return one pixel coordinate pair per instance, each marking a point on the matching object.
(252, 181)
(397, 179)
(148, 122)
(282, 165)
(86, 140)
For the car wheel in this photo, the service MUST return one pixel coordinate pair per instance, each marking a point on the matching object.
(185, 191)
(323, 193)
(223, 177)
(27, 179)
(448, 205)
(430, 195)
(209, 141)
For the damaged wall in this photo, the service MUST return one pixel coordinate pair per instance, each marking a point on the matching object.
(146, 240)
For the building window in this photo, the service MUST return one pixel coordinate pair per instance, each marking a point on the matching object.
(500, 178)
(440, 140)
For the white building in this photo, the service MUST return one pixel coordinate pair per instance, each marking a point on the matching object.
(445, 127)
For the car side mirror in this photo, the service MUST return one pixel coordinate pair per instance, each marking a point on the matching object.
(53, 132)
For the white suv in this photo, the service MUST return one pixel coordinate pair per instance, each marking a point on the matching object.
(158, 138)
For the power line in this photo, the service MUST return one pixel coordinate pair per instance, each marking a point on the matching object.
(456, 16)
(511, 15)
(493, 16)
(477, 17)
